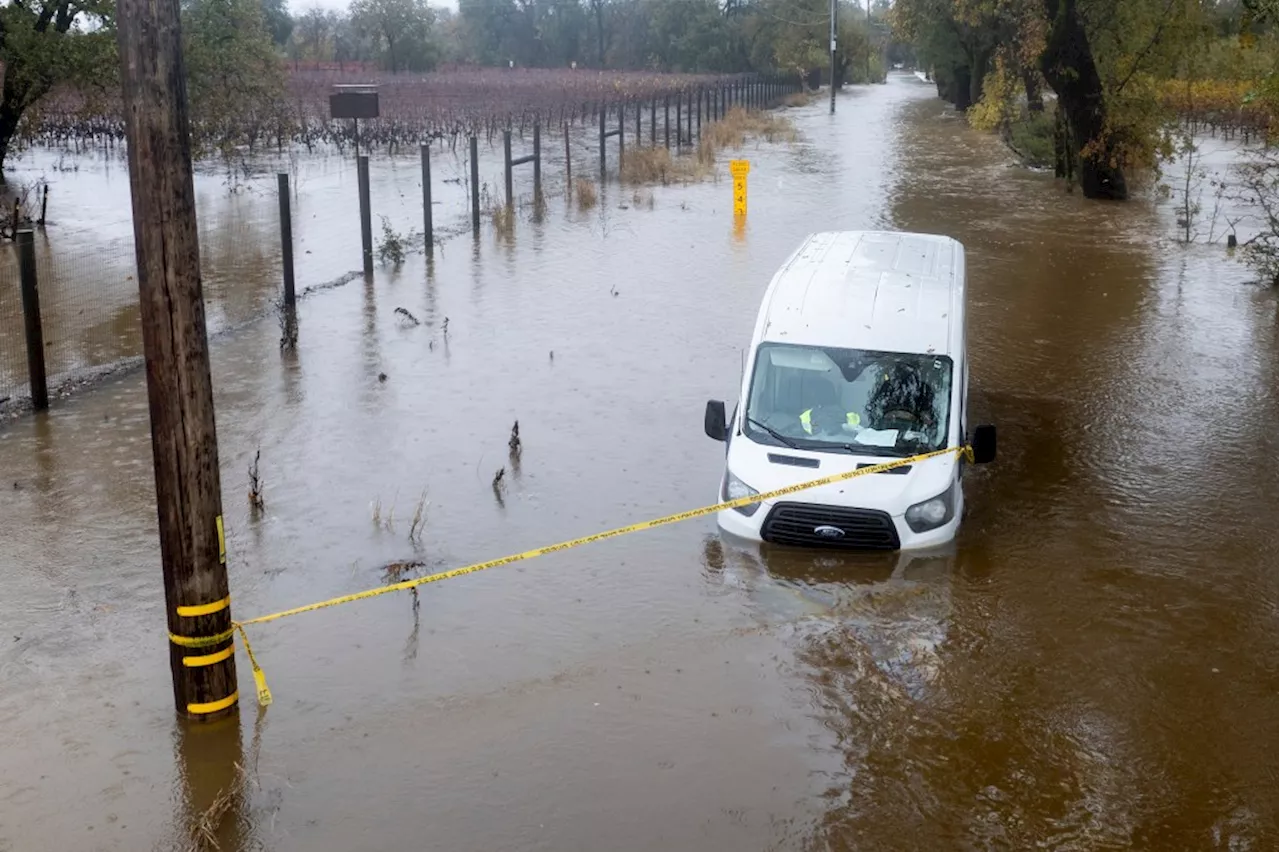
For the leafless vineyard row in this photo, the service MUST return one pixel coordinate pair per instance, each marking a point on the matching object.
(444, 106)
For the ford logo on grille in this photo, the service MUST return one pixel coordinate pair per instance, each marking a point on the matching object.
(826, 531)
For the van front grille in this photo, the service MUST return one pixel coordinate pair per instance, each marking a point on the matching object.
(806, 525)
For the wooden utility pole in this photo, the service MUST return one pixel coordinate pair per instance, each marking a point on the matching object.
(184, 443)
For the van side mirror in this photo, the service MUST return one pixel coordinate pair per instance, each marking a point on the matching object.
(713, 422)
(984, 445)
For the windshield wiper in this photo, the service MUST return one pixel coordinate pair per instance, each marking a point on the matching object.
(782, 439)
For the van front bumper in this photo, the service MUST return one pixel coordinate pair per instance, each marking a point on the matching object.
(751, 528)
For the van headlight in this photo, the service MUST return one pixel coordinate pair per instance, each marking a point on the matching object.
(932, 513)
(735, 489)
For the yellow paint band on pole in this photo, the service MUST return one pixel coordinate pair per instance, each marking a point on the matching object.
(213, 706)
(209, 659)
(204, 609)
(202, 641)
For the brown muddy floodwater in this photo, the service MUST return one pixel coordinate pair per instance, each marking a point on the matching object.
(1094, 667)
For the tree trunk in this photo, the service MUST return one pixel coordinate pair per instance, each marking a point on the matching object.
(599, 4)
(1068, 65)
(962, 88)
(1031, 82)
(978, 64)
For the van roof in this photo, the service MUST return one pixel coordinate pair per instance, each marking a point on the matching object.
(879, 290)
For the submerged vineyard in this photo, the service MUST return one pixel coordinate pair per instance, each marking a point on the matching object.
(445, 106)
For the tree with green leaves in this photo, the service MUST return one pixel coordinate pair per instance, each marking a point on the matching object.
(46, 43)
(400, 32)
(235, 81)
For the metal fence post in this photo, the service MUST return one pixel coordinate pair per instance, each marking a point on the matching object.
(537, 161)
(506, 158)
(286, 239)
(475, 184)
(427, 233)
(604, 166)
(366, 214)
(31, 316)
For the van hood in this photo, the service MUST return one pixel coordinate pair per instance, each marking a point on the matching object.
(767, 467)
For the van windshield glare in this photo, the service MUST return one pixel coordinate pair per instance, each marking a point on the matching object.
(849, 400)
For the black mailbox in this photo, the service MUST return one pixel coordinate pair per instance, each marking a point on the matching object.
(353, 101)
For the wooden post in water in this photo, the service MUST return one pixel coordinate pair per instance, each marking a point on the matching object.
(568, 160)
(679, 133)
(622, 135)
(475, 185)
(184, 440)
(286, 240)
(366, 213)
(666, 120)
(537, 161)
(604, 166)
(44, 207)
(653, 122)
(29, 285)
(427, 230)
(700, 99)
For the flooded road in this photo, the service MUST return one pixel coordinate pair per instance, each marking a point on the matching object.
(1094, 666)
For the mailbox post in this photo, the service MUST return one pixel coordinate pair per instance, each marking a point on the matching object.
(356, 101)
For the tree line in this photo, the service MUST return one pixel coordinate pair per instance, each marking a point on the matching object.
(688, 36)
(1123, 73)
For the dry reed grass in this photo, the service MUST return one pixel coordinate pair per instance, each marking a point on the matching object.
(586, 193)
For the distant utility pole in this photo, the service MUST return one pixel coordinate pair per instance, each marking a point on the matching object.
(184, 444)
(833, 57)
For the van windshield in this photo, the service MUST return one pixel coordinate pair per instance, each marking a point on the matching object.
(849, 400)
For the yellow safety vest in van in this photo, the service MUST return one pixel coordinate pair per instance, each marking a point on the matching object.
(806, 419)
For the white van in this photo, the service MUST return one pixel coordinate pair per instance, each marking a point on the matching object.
(858, 358)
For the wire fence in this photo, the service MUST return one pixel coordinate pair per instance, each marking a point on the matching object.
(88, 311)
(89, 300)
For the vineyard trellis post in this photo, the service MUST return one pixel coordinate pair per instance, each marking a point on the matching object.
(366, 213)
(475, 185)
(33, 327)
(511, 162)
(568, 160)
(537, 161)
(427, 230)
(286, 240)
(506, 172)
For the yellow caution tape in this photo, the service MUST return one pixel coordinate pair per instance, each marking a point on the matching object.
(259, 678)
(601, 536)
(264, 694)
(204, 609)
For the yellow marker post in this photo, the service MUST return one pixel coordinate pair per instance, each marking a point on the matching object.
(739, 169)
